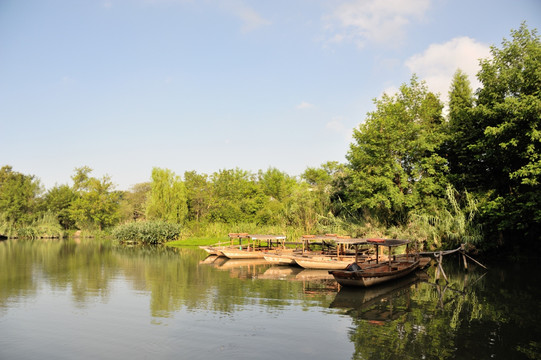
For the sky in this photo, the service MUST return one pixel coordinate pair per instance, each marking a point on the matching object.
(123, 86)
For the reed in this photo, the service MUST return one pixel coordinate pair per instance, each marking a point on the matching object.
(147, 232)
(449, 226)
(45, 227)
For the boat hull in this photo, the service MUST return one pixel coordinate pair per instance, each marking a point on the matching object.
(242, 254)
(323, 263)
(374, 275)
(278, 259)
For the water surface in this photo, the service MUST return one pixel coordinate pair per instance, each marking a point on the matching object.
(91, 299)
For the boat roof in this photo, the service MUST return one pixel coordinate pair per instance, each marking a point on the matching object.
(352, 241)
(266, 237)
(388, 242)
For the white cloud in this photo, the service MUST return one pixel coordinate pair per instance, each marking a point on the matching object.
(438, 63)
(379, 21)
(391, 91)
(305, 105)
(336, 125)
(251, 19)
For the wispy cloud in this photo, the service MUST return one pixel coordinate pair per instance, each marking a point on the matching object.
(336, 125)
(251, 19)
(438, 63)
(377, 21)
(305, 105)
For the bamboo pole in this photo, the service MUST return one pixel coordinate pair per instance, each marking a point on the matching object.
(477, 262)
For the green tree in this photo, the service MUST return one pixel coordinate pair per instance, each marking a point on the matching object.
(326, 183)
(198, 194)
(167, 199)
(96, 204)
(133, 202)
(394, 161)
(276, 184)
(236, 196)
(18, 197)
(462, 132)
(58, 200)
(508, 151)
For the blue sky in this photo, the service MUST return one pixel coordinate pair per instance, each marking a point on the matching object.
(123, 86)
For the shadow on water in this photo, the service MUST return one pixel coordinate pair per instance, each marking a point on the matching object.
(478, 314)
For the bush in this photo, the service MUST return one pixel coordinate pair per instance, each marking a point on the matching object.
(46, 227)
(147, 232)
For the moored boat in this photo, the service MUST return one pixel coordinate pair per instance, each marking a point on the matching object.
(280, 258)
(367, 274)
(324, 262)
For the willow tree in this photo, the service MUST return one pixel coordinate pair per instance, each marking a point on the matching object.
(394, 162)
(167, 198)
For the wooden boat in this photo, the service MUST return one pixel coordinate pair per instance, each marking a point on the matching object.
(367, 274)
(280, 258)
(256, 247)
(340, 259)
(243, 254)
(323, 262)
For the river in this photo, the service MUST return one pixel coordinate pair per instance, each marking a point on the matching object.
(90, 299)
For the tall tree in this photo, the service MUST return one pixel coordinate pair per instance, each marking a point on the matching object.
(463, 130)
(18, 196)
(96, 204)
(508, 117)
(276, 184)
(198, 194)
(235, 196)
(58, 200)
(326, 183)
(167, 199)
(394, 161)
(133, 202)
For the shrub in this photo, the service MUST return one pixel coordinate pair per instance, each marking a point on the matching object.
(147, 232)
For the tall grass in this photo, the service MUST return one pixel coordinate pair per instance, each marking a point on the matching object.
(45, 227)
(147, 232)
(449, 226)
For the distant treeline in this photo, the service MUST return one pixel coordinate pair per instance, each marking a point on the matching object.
(468, 173)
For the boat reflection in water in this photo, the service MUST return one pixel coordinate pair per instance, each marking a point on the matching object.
(378, 304)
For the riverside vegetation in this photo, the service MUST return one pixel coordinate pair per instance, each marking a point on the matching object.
(470, 174)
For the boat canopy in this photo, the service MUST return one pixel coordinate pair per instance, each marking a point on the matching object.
(388, 242)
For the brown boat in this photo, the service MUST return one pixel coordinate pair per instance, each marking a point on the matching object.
(364, 275)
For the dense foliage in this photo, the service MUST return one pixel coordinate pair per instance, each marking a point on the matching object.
(471, 173)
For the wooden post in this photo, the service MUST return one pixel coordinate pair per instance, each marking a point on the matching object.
(440, 260)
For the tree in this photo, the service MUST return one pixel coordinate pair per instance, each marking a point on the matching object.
(58, 200)
(96, 204)
(276, 184)
(236, 196)
(198, 194)
(462, 132)
(167, 200)
(508, 119)
(326, 183)
(394, 162)
(18, 196)
(133, 202)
